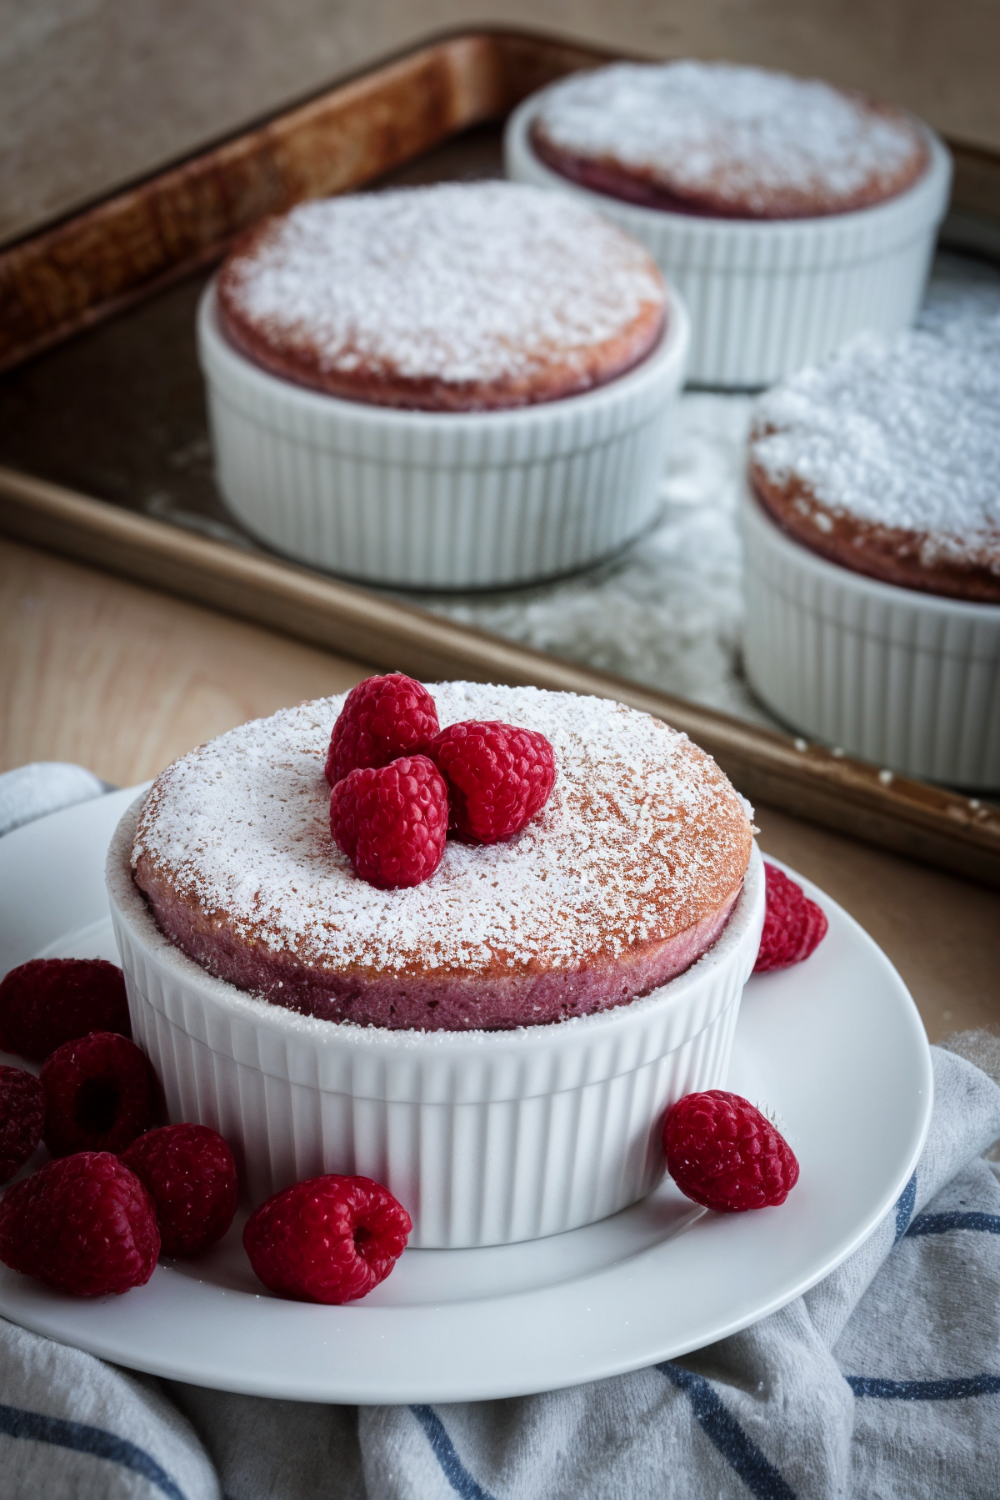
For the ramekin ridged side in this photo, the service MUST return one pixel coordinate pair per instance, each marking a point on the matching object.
(766, 297)
(908, 680)
(485, 1137)
(441, 499)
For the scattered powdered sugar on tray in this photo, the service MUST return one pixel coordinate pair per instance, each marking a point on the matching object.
(460, 282)
(641, 836)
(902, 431)
(741, 134)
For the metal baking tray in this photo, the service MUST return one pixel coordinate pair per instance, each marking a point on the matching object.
(104, 452)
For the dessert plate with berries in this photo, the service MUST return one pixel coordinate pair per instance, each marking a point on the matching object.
(831, 1050)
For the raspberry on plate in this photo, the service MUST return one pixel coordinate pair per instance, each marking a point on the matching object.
(84, 1225)
(100, 1093)
(725, 1154)
(382, 718)
(48, 1001)
(189, 1172)
(499, 777)
(392, 821)
(22, 1116)
(793, 925)
(329, 1239)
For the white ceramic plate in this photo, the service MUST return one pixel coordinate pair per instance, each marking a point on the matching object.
(834, 1050)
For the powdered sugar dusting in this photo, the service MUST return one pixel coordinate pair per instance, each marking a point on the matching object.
(642, 834)
(742, 134)
(461, 282)
(903, 432)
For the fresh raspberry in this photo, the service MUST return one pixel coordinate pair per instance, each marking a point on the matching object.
(725, 1155)
(330, 1239)
(22, 1116)
(499, 777)
(48, 1001)
(793, 925)
(392, 821)
(85, 1225)
(189, 1172)
(100, 1093)
(382, 718)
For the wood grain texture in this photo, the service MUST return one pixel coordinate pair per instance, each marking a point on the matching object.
(123, 680)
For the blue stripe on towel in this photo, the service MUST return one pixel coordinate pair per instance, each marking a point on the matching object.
(18, 1423)
(925, 1390)
(904, 1207)
(941, 1223)
(721, 1428)
(452, 1466)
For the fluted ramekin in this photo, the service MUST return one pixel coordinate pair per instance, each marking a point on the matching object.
(908, 680)
(441, 499)
(485, 1137)
(768, 296)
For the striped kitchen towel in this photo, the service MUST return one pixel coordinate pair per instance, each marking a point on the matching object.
(883, 1381)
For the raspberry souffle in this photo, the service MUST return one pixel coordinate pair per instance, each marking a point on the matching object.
(466, 385)
(628, 851)
(714, 139)
(788, 213)
(871, 531)
(457, 297)
(884, 459)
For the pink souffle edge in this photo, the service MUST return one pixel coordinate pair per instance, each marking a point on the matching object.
(435, 1001)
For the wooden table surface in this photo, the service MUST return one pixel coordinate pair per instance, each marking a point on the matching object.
(123, 680)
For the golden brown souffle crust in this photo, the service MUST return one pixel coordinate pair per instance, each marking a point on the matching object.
(720, 141)
(459, 297)
(885, 458)
(624, 880)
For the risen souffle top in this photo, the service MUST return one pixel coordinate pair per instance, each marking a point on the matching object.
(726, 141)
(886, 457)
(624, 879)
(463, 296)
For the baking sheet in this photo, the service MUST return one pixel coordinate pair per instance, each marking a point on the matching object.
(119, 413)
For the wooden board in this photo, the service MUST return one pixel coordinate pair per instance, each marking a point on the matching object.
(95, 263)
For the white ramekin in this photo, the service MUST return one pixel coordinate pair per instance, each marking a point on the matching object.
(908, 680)
(441, 499)
(484, 1137)
(766, 298)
